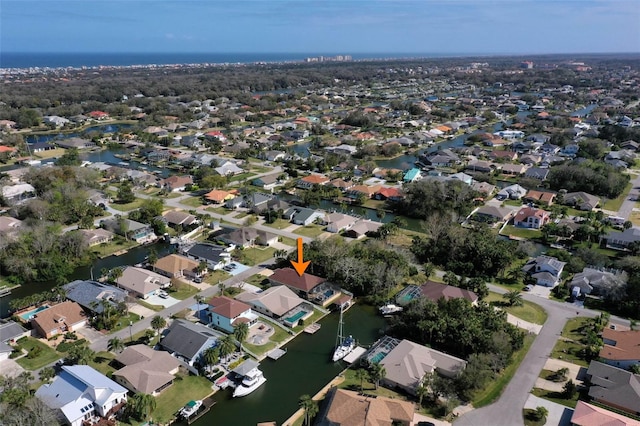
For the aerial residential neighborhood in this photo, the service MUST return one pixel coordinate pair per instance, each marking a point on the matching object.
(472, 227)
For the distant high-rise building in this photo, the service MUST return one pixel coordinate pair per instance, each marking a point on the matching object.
(527, 65)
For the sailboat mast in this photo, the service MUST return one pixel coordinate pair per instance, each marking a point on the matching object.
(340, 331)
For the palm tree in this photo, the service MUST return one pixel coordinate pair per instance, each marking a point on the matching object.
(541, 413)
(143, 404)
(47, 373)
(158, 323)
(227, 345)
(211, 356)
(80, 355)
(513, 298)
(115, 345)
(361, 376)
(309, 406)
(421, 391)
(377, 372)
(240, 332)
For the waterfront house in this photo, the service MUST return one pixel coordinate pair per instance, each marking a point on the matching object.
(175, 218)
(389, 193)
(621, 240)
(267, 182)
(97, 236)
(177, 266)
(215, 256)
(247, 237)
(614, 387)
(362, 227)
(581, 200)
(537, 173)
(226, 313)
(92, 295)
(277, 302)
(349, 408)
(484, 188)
(546, 270)
(531, 217)
(621, 348)
(145, 370)
(77, 143)
(435, 291)
(408, 363)
(186, 340)
(10, 332)
(337, 222)
(83, 396)
(412, 175)
(491, 214)
(176, 183)
(302, 215)
(540, 197)
(342, 185)
(59, 319)
(141, 282)
(139, 232)
(306, 286)
(592, 415)
(308, 182)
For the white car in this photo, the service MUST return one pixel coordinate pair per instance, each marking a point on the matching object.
(163, 294)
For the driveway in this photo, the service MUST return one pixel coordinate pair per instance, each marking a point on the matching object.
(141, 310)
(10, 368)
(576, 373)
(89, 333)
(540, 291)
(157, 300)
(558, 414)
(240, 268)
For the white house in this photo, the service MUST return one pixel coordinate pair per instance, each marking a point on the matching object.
(83, 394)
(545, 269)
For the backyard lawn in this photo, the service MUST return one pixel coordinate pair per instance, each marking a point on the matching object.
(255, 256)
(311, 231)
(529, 311)
(287, 241)
(242, 176)
(45, 354)
(107, 249)
(614, 204)
(521, 232)
(184, 389)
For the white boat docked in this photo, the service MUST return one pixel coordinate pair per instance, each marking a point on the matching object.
(251, 381)
(344, 345)
(390, 309)
(190, 409)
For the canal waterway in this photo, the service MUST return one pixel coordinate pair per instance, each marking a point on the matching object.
(304, 369)
(133, 256)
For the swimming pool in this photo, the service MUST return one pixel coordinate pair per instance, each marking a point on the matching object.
(377, 357)
(293, 318)
(27, 315)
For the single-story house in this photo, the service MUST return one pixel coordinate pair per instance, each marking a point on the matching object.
(174, 218)
(543, 197)
(78, 143)
(215, 256)
(492, 214)
(18, 193)
(139, 232)
(226, 313)
(11, 331)
(484, 188)
(537, 173)
(187, 340)
(82, 394)
(389, 193)
(176, 183)
(581, 200)
(218, 196)
(596, 282)
(228, 168)
(362, 227)
(614, 387)
(97, 236)
(337, 222)
(435, 291)
(531, 217)
(304, 286)
(177, 266)
(545, 269)
(592, 415)
(92, 295)
(512, 192)
(248, 237)
(621, 347)
(620, 240)
(58, 319)
(302, 215)
(308, 182)
(408, 362)
(267, 182)
(141, 282)
(145, 370)
(348, 408)
(274, 302)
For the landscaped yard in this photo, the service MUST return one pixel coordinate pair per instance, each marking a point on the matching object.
(279, 224)
(614, 205)
(556, 397)
(128, 206)
(216, 276)
(495, 388)
(278, 336)
(184, 389)
(258, 280)
(192, 201)
(107, 249)
(45, 356)
(183, 291)
(148, 305)
(311, 231)
(352, 383)
(570, 347)
(125, 320)
(529, 311)
(255, 256)
(101, 362)
(242, 176)
(521, 232)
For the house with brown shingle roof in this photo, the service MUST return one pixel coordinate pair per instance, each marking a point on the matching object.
(305, 286)
(145, 370)
(435, 291)
(218, 196)
(58, 319)
(621, 347)
(348, 408)
(366, 190)
(176, 183)
(311, 180)
(543, 197)
(176, 266)
(226, 313)
(96, 236)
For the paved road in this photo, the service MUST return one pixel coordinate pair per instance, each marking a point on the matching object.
(629, 202)
(507, 411)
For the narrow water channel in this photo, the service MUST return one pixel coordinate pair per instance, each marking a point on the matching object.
(304, 369)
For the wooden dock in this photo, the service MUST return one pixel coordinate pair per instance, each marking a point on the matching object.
(276, 353)
(311, 329)
(206, 406)
(5, 292)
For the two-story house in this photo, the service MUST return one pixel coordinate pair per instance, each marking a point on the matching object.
(531, 217)
(546, 270)
(226, 313)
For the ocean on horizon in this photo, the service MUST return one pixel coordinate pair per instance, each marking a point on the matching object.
(76, 60)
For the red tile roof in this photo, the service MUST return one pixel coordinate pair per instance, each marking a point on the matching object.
(315, 179)
(390, 192)
(289, 277)
(627, 345)
(228, 307)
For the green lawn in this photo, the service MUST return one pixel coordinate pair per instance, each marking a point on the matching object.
(101, 362)
(311, 231)
(529, 311)
(216, 276)
(571, 349)
(184, 389)
(556, 397)
(258, 280)
(279, 224)
(242, 176)
(255, 256)
(496, 386)
(317, 315)
(183, 291)
(220, 210)
(350, 382)
(521, 232)
(107, 249)
(260, 169)
(45, 357)
(614, 204)
(124, 321)
(192, 201)
(278, 336)
(128, 206)
(288, 241)
(148, 305)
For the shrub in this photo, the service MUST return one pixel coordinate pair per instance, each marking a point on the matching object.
(34, 352)
(66, 346)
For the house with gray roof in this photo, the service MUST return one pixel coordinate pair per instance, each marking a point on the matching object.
(614, 387)
(537, 173)
(92, 295)
(186, 340)
(247, 237)
(581, 200)
(145, 370)
(511, 192)
(546, 270)
(10, 332)
(257, 201)
(139, 232)
(408, 362)
(621, 240)
(80, 393)
(492, 214)
(215, 256)
(597, 282)
(303, 215)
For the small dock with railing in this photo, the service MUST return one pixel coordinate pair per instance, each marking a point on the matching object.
(311, 329)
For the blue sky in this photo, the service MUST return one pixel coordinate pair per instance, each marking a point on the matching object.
(308, 26)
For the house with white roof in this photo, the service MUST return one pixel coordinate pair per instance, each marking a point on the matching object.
(82, 394)
(546, 270)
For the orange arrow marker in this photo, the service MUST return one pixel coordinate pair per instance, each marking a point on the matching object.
(300, 266)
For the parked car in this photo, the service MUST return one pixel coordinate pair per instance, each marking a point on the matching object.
(527, 288)
(197, 280)
(163, 294)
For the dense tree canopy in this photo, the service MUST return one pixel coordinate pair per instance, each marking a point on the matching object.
(425, 197)
(593, 177)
